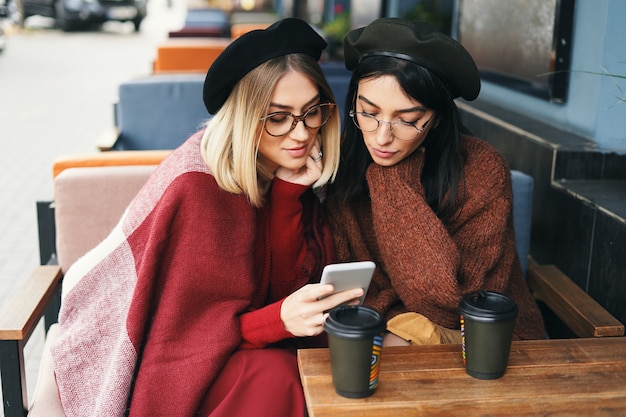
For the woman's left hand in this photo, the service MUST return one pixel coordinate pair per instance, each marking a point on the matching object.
(309, 173)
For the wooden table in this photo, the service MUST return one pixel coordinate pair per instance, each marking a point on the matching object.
(567, 377)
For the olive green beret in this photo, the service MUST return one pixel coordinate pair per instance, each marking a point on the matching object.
(242, 55)
(420, 43)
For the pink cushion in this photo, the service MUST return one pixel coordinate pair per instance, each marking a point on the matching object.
(89, 202)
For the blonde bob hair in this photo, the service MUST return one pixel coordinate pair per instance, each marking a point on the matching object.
(230, 143)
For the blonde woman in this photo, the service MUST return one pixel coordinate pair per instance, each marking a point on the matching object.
(196, 302)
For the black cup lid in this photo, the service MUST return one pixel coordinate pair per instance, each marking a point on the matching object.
(488, 305)
(354, 321)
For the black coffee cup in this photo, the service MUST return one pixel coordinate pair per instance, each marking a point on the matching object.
(487, 321)
(355, 339)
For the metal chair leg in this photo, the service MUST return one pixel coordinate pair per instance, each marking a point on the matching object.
(14, 396)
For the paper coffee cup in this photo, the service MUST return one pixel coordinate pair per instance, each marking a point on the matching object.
(355, 339)
(487, 321)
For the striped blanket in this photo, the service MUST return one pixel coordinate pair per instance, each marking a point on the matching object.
(182, 245)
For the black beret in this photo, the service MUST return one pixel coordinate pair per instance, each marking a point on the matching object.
(242, 55)
(420, 43)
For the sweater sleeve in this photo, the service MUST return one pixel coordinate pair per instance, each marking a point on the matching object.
(263, 326)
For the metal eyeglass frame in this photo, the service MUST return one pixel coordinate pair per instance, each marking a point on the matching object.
(418, 130)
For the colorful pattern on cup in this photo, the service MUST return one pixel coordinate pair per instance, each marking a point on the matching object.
(375, 364)
(463, 340)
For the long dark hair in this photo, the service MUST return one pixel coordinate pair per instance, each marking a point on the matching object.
(443, 167)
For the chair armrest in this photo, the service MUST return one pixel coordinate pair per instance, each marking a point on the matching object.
(27, 307)
(17, 323)
(108, 138)
(581, 313)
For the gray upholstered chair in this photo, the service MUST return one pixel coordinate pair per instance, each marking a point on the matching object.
(157, 111)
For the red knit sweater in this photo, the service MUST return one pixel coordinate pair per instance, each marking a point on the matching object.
(424, 264)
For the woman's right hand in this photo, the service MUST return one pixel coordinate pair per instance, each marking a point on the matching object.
(304, 311)
(309, 173)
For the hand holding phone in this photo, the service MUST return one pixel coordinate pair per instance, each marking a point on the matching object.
(349, 276)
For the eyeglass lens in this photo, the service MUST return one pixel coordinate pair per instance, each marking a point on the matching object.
(281, 123)
(399, 129)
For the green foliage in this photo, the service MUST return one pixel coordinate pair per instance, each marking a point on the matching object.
(338, 27)
(426, 11)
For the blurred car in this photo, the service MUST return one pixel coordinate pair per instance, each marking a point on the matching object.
(4, 13)
(72, 14)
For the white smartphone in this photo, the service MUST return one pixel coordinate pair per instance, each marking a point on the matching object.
(349, 276)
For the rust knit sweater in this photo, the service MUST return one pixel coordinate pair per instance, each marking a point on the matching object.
(424, 265)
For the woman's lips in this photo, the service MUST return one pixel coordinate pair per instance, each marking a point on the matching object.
(383, 154)
(297, 152)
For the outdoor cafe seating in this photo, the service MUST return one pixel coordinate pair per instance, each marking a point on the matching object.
(204, 35)
(192, 54)
(92, 191)
(89, 200)
(156, 111)
(90, 194)
(211, 22)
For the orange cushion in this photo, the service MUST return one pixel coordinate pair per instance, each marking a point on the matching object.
(239, 29)
(111, 158)
(188, 54)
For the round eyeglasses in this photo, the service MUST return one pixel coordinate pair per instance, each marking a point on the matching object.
(282, 122)
(399, 129)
